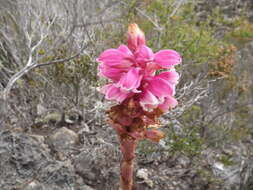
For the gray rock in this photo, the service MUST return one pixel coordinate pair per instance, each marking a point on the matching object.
(72, 117)
(26, 163)
(34, 185)
(143, 174)
(54, 117)
(184, 161)
(63, 141)
(84, 166)
(86, 187)
(63, 138)
(41, 109)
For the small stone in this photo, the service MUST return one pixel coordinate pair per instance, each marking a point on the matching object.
(219, 166)
(86, 187)
(39, 138)
(184, 161)
(34, 185)
(228, 152)
(72, 117)
(84, 167)
(143, 174)
(54, 117)
(41, 109)
(64, 138)
(149, 183)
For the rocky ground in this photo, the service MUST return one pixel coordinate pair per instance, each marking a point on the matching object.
(71, 152)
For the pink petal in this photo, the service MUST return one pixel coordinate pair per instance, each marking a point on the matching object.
(143, 55)
(131, 80)
(170, 76)
(115, 58)
(123, 48)
(150, 68)
(105, 88)
(160, 87)
(168, 103)
(113, 93)
(110, 72)
(167, 58)
(111, 57)
(148, 101)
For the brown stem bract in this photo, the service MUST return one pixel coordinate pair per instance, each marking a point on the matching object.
(128, 146)
(133, 124)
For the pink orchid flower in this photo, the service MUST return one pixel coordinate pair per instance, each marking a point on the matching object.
(132, 71)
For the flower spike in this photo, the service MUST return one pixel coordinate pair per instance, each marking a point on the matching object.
(142, 95)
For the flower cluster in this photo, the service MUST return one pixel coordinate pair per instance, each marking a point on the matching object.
(143, 83)
(135, 71)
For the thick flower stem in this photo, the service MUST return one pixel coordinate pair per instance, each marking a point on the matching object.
(128, 146)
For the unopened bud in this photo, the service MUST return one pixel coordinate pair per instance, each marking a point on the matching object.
(136, 37)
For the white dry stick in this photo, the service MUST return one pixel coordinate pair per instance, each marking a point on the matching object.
(178, 5)
(159, 28)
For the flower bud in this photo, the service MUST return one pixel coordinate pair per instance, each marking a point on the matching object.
(136, 37)
(154, 135)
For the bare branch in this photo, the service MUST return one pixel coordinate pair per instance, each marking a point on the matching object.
(178, 5)
(159, 28)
